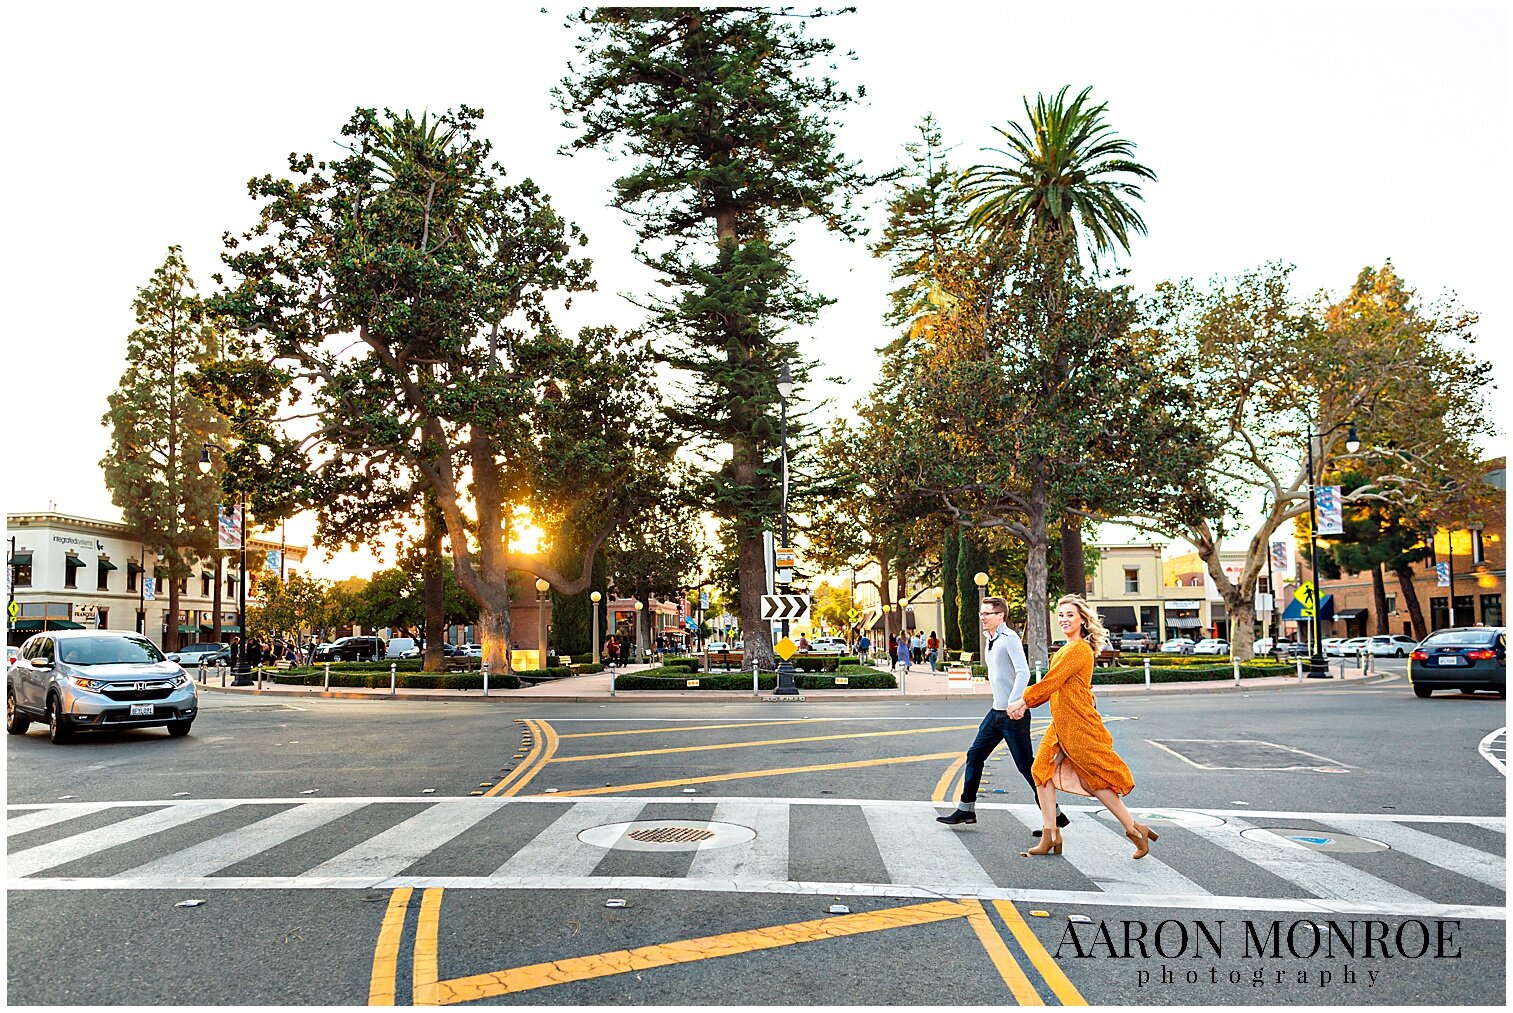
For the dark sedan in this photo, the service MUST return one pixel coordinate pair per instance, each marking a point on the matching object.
(1463, 658)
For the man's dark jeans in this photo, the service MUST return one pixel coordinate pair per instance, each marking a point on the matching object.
(998, 727)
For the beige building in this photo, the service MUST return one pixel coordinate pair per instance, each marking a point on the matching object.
(1126, 588)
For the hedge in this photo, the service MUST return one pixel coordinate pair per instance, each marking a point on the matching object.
(676, 678)
(348, 679)
(413, 665)
(1127, 674)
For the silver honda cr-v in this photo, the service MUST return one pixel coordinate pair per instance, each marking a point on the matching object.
(83, 679)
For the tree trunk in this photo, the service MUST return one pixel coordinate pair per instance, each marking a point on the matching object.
(949, 592)
(215, 599)
(754, 629)
(1242, 625)
(1073, 560)
(434, 587)
(171, 635)
(1037, 625)
(1410, 598)
(494, 628)
(1379, 600)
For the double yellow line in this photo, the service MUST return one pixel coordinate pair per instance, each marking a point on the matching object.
(544, 742)
(425, 976)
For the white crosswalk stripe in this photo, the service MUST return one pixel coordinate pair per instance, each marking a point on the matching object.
(919, 857)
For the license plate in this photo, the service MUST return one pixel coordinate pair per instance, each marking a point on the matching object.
(1448, 660)
(141, 710)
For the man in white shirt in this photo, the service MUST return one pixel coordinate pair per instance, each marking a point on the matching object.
(1008, 675)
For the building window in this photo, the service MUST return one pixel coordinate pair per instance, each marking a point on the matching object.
(23, 575)
(183, 585)
(231, 584)
(70, 571)
(131, 578)
(1491, 610)
(103, 582)
(1439, 613)
(1263, 586)
(204, 586)
(1478, 554)
(1392, 603)
(1131, 580)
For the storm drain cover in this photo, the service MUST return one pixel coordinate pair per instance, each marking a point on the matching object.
(1242, 754)
(667, 835)
(1176, 817)
(1314, 840)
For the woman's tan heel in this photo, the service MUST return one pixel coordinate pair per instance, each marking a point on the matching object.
(1141, 838)
(1050, 841)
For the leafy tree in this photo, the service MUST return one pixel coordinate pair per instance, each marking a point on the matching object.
(656, 554)
(158, 426)
(409, 302)
(1071, 181)
(732, 146)
(289, 607)
(395, 599)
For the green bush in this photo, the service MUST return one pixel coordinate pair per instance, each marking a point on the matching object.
(1185, 671)
(677, 678)
(348, 679)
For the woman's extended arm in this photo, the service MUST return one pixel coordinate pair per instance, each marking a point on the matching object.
(1064, 665)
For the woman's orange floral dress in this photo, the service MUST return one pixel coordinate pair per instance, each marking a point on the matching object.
(1076, 725)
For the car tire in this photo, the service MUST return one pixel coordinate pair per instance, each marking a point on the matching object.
(58, 731)
(179, 729)
(1400, 653)
(16, 721)
(1422, 692)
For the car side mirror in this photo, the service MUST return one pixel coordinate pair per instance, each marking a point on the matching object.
(41, 663)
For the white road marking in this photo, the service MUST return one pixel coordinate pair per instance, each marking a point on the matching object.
(40, 818)
(45, 856)
(1102, 854)
(1458, 858)
(1323, 761)
(918, 850)
(1488, 748)
(764, 857)
(228, 849)
(401, 846)
(556, 851)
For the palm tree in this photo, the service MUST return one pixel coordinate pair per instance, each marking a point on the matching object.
(1069, 181)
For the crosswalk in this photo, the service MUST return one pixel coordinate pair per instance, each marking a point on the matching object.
(1432, 866)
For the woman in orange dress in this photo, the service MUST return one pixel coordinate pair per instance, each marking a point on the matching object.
(1077, 731)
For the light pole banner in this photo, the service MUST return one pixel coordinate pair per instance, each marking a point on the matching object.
(275, 560)
(1442, 571)
(229, 528)
(1330, 520)
(1279, 555)
(149, 589)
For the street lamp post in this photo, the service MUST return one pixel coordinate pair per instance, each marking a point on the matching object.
(785, 684)
(241, 675)
(1318, 665)
(639, 608)
(596, 597)
(981, 580)
(541, 589)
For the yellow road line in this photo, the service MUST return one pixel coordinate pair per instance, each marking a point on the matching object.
(386, 952)
(766, 742)
(1013, 975)
(546, 732)
(943, 786)
(523, 979)
(697, 728)
(776, 772)
(1043, 961)
(531, 755)
(426, 976)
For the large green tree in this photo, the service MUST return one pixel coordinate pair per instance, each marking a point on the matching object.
(158, 427)
(407, 307)
(731, 144)
(1069, 178)
(659, 554)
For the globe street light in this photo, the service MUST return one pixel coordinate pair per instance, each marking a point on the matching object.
(241, 674)
(541, 588)
(638, 607)
(981, 580)
(1318, 665)
(596, 597)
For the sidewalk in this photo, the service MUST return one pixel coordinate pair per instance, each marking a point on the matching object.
(918, 685)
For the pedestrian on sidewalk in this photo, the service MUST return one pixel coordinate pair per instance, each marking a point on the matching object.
(1008, 675)
(1077, 753)
(917, 647)
(932, 645)
(864, 649)
(903, 650)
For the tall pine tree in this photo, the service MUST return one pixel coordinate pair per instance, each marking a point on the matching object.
(733, 146)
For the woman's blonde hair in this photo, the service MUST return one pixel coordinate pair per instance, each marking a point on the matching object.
(1092, 627)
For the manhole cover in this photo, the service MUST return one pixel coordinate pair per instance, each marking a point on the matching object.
(1176, 817)
(667, 835)
(670, 835)
(1314, 840)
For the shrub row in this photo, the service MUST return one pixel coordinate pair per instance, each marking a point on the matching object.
(348, 679)
(413, 665)
(676, 678)
(1125, 674)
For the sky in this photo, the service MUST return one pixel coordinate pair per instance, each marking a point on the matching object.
(1332, 137)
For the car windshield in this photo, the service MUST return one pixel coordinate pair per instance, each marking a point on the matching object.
(1461, 638)
(108, 651)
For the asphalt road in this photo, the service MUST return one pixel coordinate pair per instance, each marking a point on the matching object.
(354, 849)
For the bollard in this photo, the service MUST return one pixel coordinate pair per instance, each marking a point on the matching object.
(485, 678)
(1236, 662)
(328, 677)
(1300, 668)
(612, 673)
(223, 675)
(1358, 662)
(1147, 673)
(393, 678)
(1037, 672)
(756, 686)
(259, 686)
(202, 671)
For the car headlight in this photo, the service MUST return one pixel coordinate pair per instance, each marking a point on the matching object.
(179, 680)
(93, 685)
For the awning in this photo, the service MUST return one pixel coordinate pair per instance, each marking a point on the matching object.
(21, 559)
(231, 629)
(50, 624)
(72, 561)
(1295, 609)
(1118, 615)
(1184, 622)
(132, 567)
(106, 564)
(1352, 614)
(209, 575)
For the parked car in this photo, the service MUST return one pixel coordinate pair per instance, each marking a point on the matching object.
(827, 645)
(472, 650)
(1178, 645)
(1295, 649)
(1466, 658)
(1393, 645)
(11, 654)
(1265, 645)
(191, 656)
(1211, 646)
(351, 649)
(1332, 645)
(401, 647)
(78, 680)
(716, 646)
(1135, 640)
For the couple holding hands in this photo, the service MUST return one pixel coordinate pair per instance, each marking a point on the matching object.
(1077, 753)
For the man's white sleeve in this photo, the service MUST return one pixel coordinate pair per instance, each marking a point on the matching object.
(1019, 664)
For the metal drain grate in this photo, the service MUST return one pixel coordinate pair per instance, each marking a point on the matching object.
(670, 835)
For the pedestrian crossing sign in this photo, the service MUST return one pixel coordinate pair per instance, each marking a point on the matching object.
(1307, 598)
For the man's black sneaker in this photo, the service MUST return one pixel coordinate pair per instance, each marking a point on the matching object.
(1061, 821)
(958, 817)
